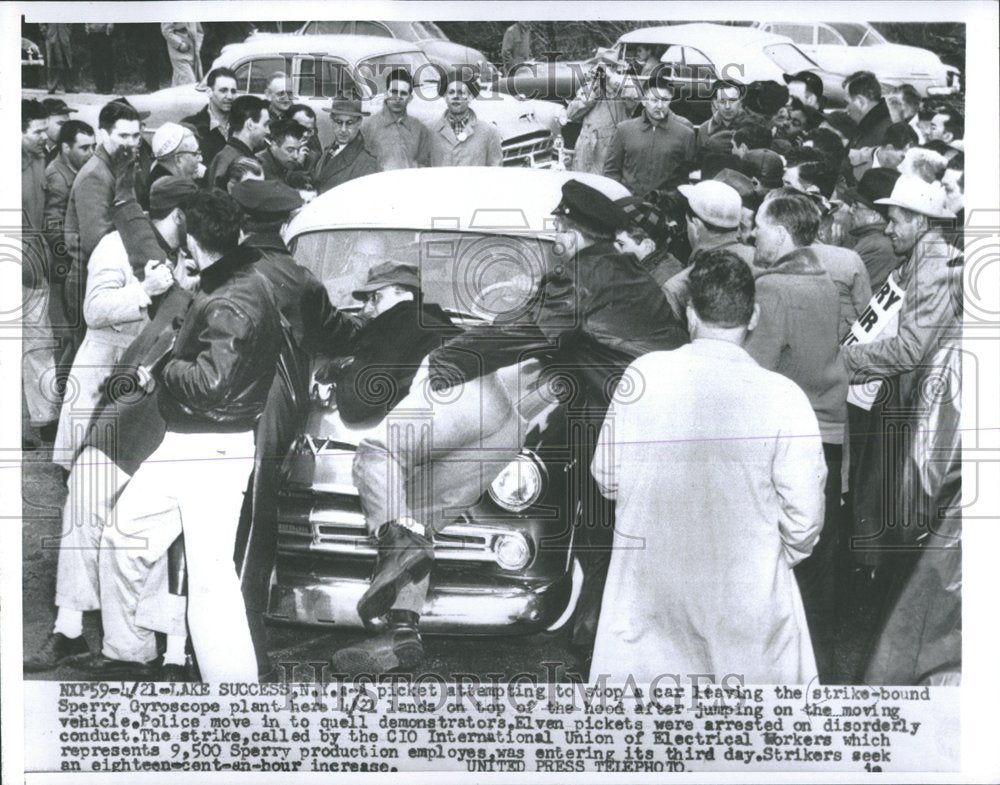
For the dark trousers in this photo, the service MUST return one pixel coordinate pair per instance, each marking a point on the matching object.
(101, 62)
(816, 575)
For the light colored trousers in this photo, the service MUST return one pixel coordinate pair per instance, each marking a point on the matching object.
(94, 483)
(193, 483)
(437, 453)
(38, 357)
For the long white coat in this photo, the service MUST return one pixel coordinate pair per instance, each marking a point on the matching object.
(718, 472)
(115, 311)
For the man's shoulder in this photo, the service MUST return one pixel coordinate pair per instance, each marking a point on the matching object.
(58, 172)
(846, 258)
(110, 250)
(199, 119)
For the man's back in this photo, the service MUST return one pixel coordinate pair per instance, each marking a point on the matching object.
(727, 492)
(797, 335)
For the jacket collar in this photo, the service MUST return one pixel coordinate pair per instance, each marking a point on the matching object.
(444, 126)
(801, 261)
(266, 241)
(386, 118)
(240, 146)
(224, 269)
(346, 156)
(867, 229)
(875, 115)
(649, 125)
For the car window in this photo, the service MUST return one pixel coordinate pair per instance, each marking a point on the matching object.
(489, 276)
(327, 28)
(788, 58)
(373, 70)
(334, 78)
(698, 64)
(253, 75)
(828, 36)
(800, 34)
(372, 28)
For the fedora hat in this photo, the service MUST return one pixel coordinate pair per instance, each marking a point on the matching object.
(917, 196)
(343, 104)
(387, 274)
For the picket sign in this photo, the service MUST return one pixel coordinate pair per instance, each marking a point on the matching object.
(880, 320)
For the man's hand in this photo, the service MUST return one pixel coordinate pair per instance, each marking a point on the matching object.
(183, 47)
(123, 166)
(158, 278)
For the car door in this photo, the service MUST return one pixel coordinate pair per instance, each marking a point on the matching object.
(253, 73)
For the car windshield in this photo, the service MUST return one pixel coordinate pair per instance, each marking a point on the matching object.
(417, 31)
(788, 58)
(858, 34)
(374, 69)
(491, 277)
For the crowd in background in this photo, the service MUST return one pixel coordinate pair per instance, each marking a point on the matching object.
(844, 220)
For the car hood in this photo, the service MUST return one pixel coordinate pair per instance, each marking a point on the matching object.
(450, 54)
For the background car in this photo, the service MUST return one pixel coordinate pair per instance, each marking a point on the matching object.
(323, 66)
(428, 36)
(481, 238)
(698, 54)
(841, 48)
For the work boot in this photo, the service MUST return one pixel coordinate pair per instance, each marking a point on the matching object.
(404, 556)
(397, 648)
(102, 668)
(56, 650)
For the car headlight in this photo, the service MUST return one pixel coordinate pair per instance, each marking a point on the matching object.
(512, 551)
(519, 485)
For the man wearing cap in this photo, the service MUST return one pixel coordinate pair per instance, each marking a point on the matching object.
(115, 309)
(904, 361)
(713, 222)
(248, 121)
(717, 472)
(401, 330)
(591, 316)
(749, 198)
(314, 326)
(59, 113)
(645, 237)
(398, 140)
(211, 123)
(88, 212)
(869, 221)
(807, 87)
(797, 336)
(769, 170)
(649, 150)
(459, 138)
(931, 279)
(177, 155)
(348, 157)
(716, 133)
(599, 107)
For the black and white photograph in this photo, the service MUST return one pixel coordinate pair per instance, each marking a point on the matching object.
(553, 388)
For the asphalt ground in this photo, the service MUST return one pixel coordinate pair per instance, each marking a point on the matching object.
(547, 656)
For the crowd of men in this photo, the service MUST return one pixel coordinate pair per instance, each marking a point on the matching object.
(801, 252)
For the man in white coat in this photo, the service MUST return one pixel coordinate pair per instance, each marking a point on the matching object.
(718, 481)
(115, 309)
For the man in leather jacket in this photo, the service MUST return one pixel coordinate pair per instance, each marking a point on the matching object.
(213, 388)
(594, 313)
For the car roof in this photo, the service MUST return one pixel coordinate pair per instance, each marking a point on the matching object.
(704, 36)
(490, 200)
(350, 47)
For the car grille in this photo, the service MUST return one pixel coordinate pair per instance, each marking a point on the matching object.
(534, 149)
(334, 525)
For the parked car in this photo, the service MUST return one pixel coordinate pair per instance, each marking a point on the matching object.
(698, 54)
(481, 238)
(322, 66)
(428, 36)
(841, 48)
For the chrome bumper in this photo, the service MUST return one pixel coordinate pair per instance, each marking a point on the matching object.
(454, 605)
